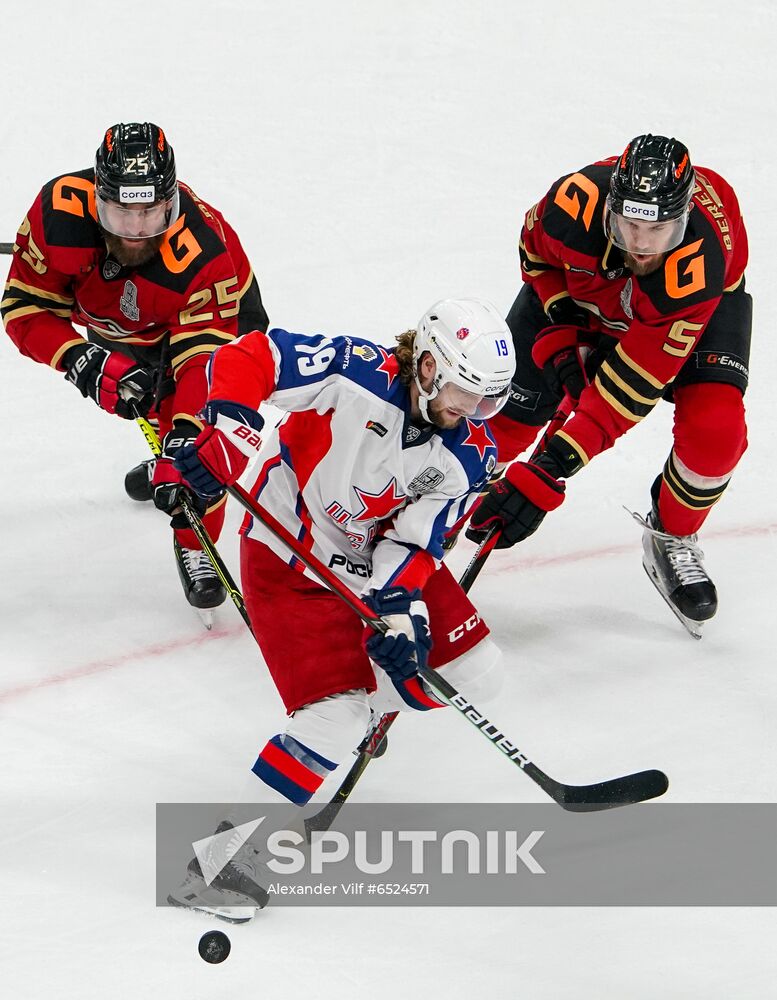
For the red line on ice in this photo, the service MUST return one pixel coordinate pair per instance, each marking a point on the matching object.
(539, 562)
(163, 648)
(111, 663)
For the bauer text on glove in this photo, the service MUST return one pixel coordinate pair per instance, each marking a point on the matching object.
(221, 452)
(114, 381)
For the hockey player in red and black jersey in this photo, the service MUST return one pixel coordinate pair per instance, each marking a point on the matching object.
(634, 292)
(158, 279)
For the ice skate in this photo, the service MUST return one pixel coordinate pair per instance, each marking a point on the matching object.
(674, 565)
(235, 893)
(203, 589)
(137, 482)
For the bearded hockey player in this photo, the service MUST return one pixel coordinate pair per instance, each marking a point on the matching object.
(634, 292)
(381, 453)
(157, 279)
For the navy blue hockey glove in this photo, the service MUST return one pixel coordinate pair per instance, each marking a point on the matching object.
(406, 645)
(110, 378)
(218, 456)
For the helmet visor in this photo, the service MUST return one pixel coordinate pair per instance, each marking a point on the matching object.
(643, 236)
(137, 221)
(462, 402)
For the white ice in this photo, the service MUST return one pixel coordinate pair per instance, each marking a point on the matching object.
(374, 157)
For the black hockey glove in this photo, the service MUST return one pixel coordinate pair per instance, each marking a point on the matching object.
(110, 378)
(167, 483)
(518, 502)
(561, 349)
(561, 354)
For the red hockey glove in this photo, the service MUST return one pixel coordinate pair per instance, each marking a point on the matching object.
(219, 455)
(167, 482)
(110, 378)
(560, 353)
(518, 502)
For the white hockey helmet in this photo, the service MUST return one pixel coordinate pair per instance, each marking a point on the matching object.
(473, 350)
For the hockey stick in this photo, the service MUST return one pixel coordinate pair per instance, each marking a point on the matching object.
(478, 561)
(607, 794)
(372, 745)
(374, 738)
(190, 513)
(195, 523)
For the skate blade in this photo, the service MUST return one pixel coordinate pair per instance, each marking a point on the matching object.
(193, 894)
(206, 617)
(694, 629)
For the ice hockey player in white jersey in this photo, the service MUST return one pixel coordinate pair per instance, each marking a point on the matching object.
(380, 454)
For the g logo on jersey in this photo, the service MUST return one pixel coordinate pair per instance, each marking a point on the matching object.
(692, 278)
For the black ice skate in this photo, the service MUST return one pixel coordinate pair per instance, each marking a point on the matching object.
(203, 589)
(674, 565)
(137, 482)
(235, 893)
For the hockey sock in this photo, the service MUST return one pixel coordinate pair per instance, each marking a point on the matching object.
(710, 438)
(317, 738)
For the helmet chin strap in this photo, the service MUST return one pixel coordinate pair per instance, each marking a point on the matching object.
(424, 397)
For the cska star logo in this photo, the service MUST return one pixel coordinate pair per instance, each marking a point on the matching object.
(377, 506)
(388, 365)
(478, 438)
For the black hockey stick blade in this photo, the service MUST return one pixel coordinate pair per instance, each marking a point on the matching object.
(610, 794)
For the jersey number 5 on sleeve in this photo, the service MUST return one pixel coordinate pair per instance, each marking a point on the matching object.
(678, 342)
(315, 360)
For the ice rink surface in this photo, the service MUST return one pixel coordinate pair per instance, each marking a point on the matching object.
(373, 157)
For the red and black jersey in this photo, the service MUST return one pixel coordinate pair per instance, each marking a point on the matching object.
(186, 298)
(657, 319)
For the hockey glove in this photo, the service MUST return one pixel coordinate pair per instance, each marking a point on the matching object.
(561, 355)
(110, 378)
(519, 501)
(405, 646)
(220, 454)
(167, 482)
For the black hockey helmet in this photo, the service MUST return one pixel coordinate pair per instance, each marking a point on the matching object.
(652, 182)
(654, 170)
(135, 169)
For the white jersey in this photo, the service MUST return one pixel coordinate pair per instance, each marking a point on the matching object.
(368, 491)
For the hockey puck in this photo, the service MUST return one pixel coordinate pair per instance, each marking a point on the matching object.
(214, 947)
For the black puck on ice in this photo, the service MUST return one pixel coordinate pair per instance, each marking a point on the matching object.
(214, 947)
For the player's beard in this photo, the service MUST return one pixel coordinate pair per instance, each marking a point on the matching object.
(133, 253)
(641, 268)
(441, 416)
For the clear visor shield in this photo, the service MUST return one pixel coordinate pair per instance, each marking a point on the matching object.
(464, 403)
(643, 236)
(138, 220)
